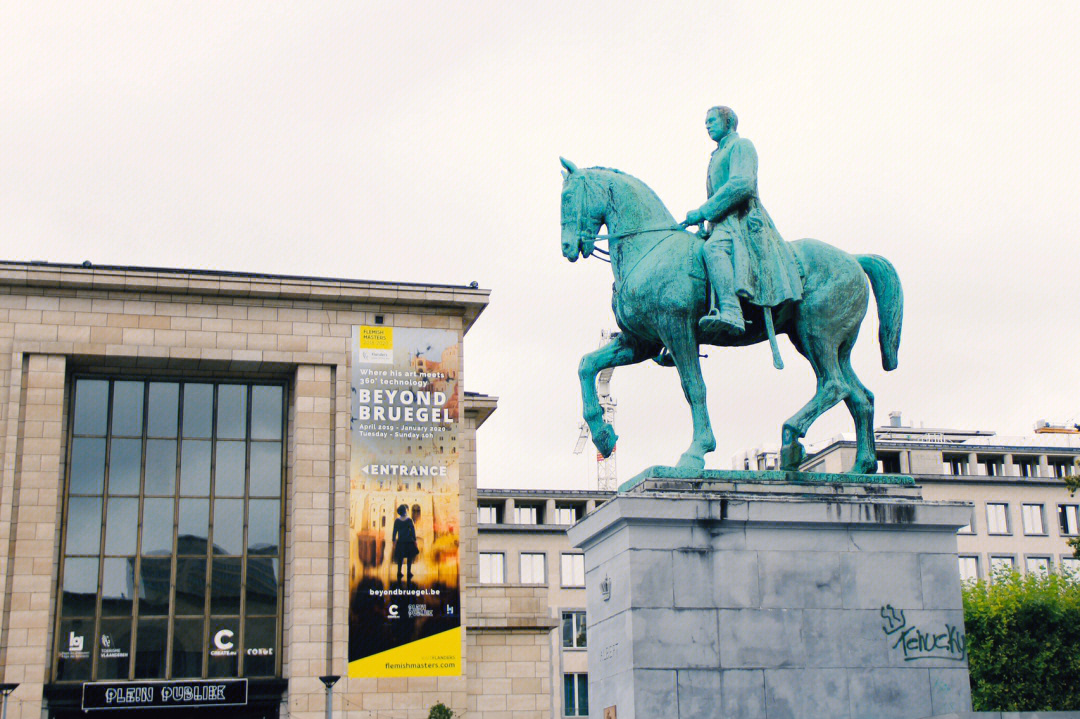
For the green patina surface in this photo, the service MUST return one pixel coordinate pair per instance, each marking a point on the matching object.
(792, 477)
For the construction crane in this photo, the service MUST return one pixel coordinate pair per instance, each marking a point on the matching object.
(606, 476)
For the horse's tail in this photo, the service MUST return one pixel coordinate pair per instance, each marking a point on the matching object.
(890, 304)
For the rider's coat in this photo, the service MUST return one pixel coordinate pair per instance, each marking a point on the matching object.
(766, 272)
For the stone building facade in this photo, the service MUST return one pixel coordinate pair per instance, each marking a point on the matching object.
(129, 332)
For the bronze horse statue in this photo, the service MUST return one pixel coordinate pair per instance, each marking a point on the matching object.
(660, 293)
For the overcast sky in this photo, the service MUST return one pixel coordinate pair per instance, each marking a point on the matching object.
(420, 142)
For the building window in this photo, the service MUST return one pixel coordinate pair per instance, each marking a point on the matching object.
(487, 514)
(566, 514)
(524, 515)
(533, 569)
(576, 695)
(1000, 563)
(1034, 565)
(969, 568)
(1026, 467)
(1060, 467)
(968, 528)
(993, 466)
(1032, 514)
(573, 630)
(172, 531)
(1067, 518)
(956, 464)
(491, 567)
(997, 518)
(1071, 564)
(888, 462)
(573, 570)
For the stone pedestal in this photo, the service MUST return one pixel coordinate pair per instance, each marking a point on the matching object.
(723, 597)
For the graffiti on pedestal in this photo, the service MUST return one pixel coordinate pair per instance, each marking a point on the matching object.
(945, 641)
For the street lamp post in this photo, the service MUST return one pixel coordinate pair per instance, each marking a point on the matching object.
(6, 689)
(329, 680)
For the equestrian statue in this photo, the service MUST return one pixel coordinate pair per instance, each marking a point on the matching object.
(732, 283)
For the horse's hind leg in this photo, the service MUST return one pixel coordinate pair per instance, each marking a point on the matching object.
(831, 388)
(619, 352)
(860, 402)
(684, 350)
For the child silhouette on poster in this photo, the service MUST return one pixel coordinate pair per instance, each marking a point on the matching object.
(404, 539)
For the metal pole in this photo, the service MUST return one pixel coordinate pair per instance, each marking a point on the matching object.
(329, 680)
(5, 689)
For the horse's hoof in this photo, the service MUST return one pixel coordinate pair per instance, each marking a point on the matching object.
(864, 467)
(605, 441)
(692, 462)
(791, 456)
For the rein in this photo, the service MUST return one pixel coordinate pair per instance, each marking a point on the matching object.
(604, 255)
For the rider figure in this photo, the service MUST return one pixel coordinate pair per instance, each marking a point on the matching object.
(744, 254)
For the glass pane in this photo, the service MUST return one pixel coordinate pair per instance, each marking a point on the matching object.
(266, 469)
(195, 468)
(84, 525)
(264, 521)
(229, 469)
(121, 525)
(228, 526)
(187, 647)
(127, 409)
(231, 411)
(262, 585)
(154, 585)
(114, 649)
(164, 399)
(198, 409)
(260, 647)
(118, 587)
(225, 585)
(150, 642)
(91, 406)
(80, 587)
(190, 585)
(73, 649)
(568, 630)
(568, 695)
(160, 466)
(125, 462)
(87, 465)
(266, 412)
(583, 694)
(157, 535)
(193, 529)
(581, 632)
(224, 648)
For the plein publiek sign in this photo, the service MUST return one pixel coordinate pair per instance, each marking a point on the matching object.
(404, 511)
(164, 694)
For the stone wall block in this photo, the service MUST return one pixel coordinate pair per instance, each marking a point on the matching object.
(950, 690)
(675, 638)
(871, 580)
(889, 693)
(751, 639)
(806, 693)
(742, 694)
(940, 581)
(698, 693)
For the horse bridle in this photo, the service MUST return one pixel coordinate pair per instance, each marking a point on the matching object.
(585, 236)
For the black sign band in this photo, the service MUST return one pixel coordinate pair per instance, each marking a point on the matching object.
(164, 694)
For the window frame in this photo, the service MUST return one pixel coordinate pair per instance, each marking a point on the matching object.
(978, 567)
(137, 554)
(574, 681)
(1029, 557)
(575, 558)
(1024, 507)
(501, 566)
(1063, 519)
(543, 568)
(990, 523)
(576, 617)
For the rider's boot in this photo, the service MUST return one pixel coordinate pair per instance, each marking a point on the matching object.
(725, 314)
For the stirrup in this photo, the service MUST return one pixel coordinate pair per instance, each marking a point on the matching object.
(714, 322)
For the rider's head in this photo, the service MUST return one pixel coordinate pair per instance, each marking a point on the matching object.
(719, 121)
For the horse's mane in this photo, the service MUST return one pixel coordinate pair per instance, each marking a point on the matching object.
(640, 187)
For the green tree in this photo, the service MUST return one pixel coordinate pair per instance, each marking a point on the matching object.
(1023, 641)
(440, 711)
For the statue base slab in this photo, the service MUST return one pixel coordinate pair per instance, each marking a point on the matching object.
(703, 478)
(721, 595)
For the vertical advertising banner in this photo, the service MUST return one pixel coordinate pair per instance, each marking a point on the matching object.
(404, 513)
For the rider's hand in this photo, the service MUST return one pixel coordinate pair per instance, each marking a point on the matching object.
(693, 217)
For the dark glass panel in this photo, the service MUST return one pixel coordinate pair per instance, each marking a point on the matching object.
(127, 408)
(154, 581)
(91, 406)
(231, 415)
(195, 468)
(163, 411)
(190, 585)
(264, 522)
(229, 469)
(157, 534)
(266, 469)
(198, 409)
(583, 694)
(125, 462)
(73, 649)
(118, 587)
(569, 708)
(160, 467)
(193, 529)
(80, 587)
(114, 649)
(262, 586)
(266, 412)
(84, 525)
(568, 630)
(121, 525)
(150, 643)
(228, 526)
(260, 647)
(224, 647)
(187, 647)
(225, 585)
(87, 465)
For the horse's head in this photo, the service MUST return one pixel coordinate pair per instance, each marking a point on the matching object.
(582, 213)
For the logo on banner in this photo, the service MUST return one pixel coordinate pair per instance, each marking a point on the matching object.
(224, 646)
(377, 344)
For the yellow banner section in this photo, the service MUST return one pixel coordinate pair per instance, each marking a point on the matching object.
(435, 656)
(376, 338)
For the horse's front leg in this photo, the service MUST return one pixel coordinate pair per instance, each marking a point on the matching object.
(619, 352)
(684, 350)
